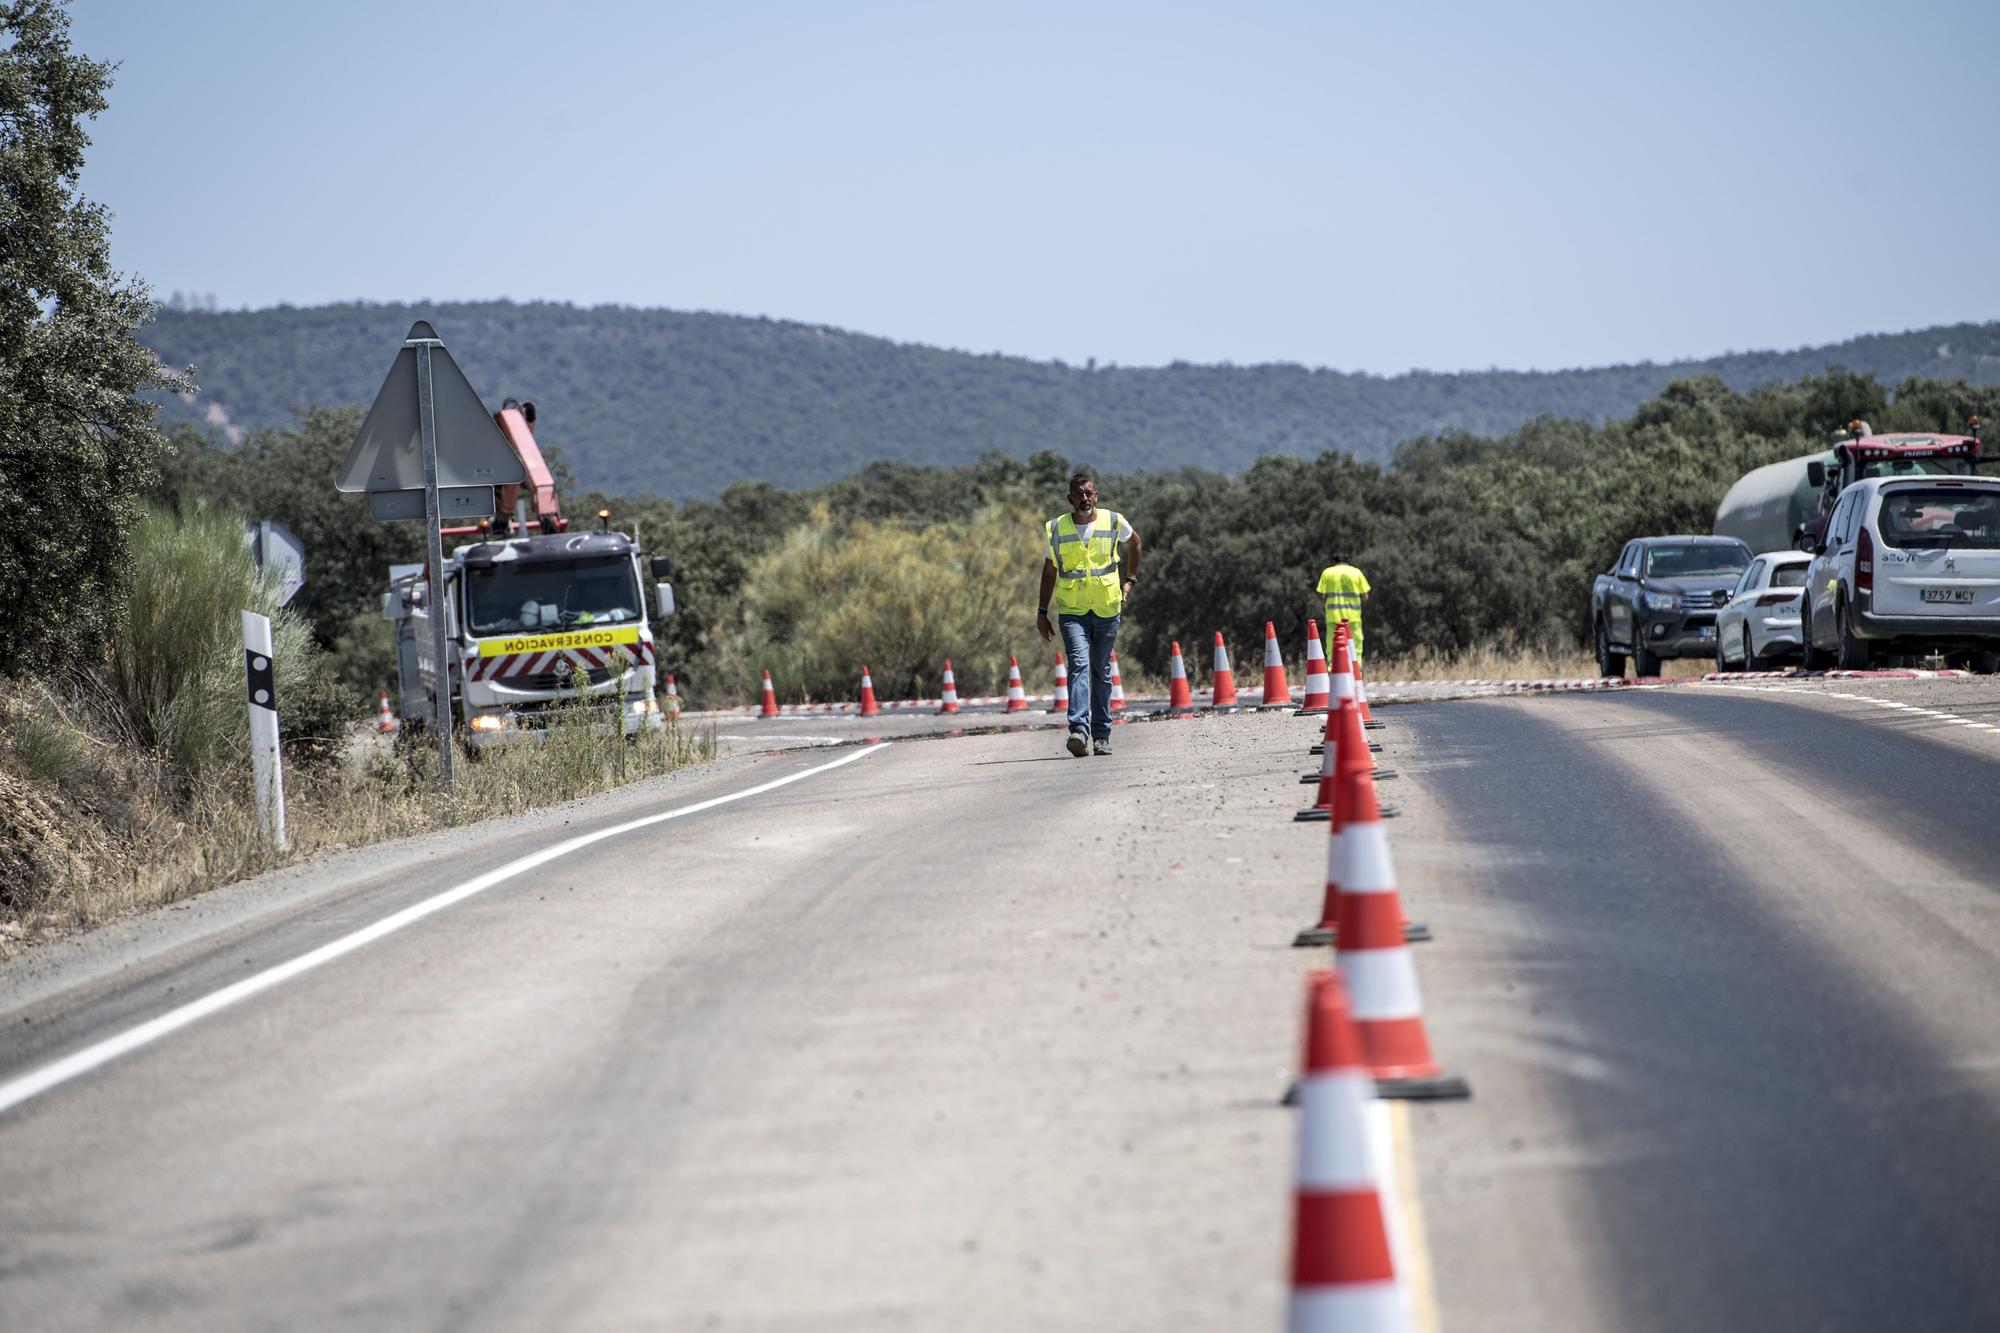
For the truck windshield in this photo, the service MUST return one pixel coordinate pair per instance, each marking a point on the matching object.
(1934, 519)
(1696, 560)
(549, 595)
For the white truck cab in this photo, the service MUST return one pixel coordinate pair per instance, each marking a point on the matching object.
(1908, 565)
(528, 618)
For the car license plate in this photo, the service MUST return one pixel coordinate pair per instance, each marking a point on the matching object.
(1958, 595)
(1705, 632)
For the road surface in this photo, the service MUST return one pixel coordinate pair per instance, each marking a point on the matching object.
(966, 1034)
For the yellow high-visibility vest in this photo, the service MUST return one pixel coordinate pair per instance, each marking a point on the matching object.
(1343, 586)
(1086, 564)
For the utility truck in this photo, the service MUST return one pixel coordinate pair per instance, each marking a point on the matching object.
(1786, 505)
(532, 610)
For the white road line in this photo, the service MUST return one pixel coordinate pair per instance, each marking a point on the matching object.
(49, 1076)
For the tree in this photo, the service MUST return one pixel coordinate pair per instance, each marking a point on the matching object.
(77, 447)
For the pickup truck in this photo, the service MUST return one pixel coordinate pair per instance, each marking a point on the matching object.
(1660, 600)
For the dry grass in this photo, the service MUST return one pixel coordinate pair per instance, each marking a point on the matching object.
(1510, 662)
(91, 830)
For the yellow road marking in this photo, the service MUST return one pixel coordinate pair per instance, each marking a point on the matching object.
(1417, 1256)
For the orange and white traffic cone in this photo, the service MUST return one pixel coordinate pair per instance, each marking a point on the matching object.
(1180, 700)
(1343, 1262)
(1342, 675)
(1350, 751)
(770, 708)
(1375, 962)
(869, 708)
(949, 704)
(1017, 698)
(1277, 694)
(1334, 751)
(1059, 701)
(673, 697)
(1361, 697)
(1224, 691)
(385, 719)
(1316, 701)
(1117, 689)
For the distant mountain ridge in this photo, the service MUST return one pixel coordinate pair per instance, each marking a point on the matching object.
(683, 404)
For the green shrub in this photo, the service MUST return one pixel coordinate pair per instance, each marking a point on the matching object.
(176, 663)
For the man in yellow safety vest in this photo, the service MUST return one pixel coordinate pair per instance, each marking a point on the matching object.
(1345, 589)
(1082, 554)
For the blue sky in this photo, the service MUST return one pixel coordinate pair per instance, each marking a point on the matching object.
(1370, 187)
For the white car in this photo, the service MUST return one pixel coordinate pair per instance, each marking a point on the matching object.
(1759, 624)
(1909, 565)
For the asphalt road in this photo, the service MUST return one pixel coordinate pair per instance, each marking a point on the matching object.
(967, 1034)
(1724, 969)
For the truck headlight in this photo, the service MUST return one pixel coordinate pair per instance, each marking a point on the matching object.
(1660, 601)
(648, 705)
(489, 722)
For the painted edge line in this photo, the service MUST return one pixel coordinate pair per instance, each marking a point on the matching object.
(36, 1082)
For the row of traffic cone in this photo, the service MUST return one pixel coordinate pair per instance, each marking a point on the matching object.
(1180, 695)
(1364, 1032)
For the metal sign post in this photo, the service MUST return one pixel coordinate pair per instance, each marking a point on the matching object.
(428, 449)
(441, 718)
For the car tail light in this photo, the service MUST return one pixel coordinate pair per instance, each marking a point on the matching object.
(1778, 598)
(1864, 562)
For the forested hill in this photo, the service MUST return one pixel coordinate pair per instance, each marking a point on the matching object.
(683, 404)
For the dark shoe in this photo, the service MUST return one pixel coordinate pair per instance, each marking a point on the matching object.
(1079, 744)
(1103, 746)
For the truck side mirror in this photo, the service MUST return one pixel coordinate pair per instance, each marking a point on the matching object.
(662, 567)
(393, 607)
(663, 597)
(1816, 474)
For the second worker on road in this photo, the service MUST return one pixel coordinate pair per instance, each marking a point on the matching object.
(1081, 579)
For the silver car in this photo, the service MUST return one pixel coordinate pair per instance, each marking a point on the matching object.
(1759, 625)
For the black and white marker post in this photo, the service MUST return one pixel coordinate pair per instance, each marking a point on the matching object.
(261, 685)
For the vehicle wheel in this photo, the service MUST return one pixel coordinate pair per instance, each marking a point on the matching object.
(1811, 658)
(1644, 662)
(1985, 664)
(1609, 664)
(1722, 663)
(1853, 654)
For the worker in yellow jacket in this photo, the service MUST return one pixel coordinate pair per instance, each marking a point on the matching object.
(1090, 562)
(1345, 589)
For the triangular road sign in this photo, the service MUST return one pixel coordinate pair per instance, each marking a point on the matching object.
(388, 453)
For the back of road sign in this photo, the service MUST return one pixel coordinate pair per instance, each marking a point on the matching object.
(388, 453)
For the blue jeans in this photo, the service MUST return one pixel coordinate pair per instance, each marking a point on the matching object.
(1088, 640)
